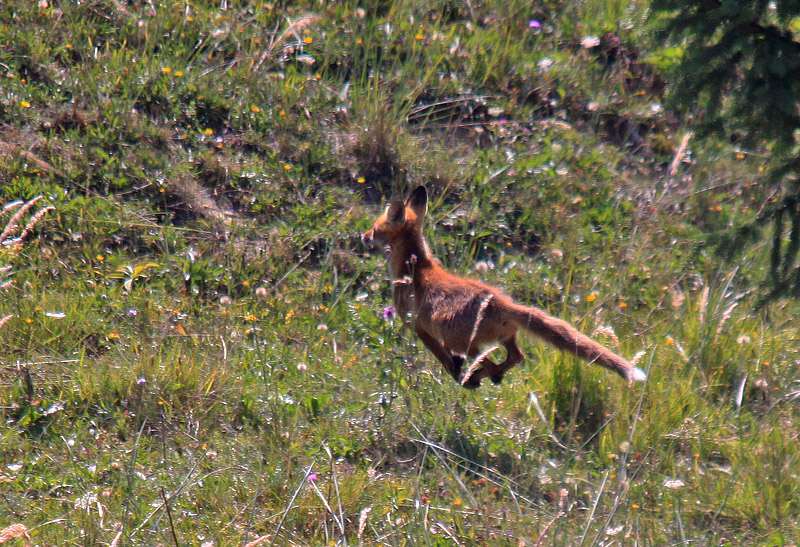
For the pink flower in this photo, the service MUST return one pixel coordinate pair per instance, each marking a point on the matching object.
(534, 24)
(312, 477)
(389, 313)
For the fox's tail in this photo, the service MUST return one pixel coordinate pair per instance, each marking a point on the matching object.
(564, 336)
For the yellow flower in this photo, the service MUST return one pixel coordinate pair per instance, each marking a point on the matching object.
(29, 320)
(100, 258)
(457, 502)
(419, 36)
(308, 39)
(287, 167)
(255, 109)
(25, 104)
(592, 296)
(166, 70)
(623, 304)
(361, 180)
(209, 131)
(178, 73)
(113, 336)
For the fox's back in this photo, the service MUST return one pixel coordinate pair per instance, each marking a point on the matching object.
(452, 308)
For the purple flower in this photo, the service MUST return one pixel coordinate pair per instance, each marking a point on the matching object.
(534, 24)
(312, 477)
(141, 380)
(133, 312)
(389, 313)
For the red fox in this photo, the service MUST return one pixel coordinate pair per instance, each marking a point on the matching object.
(454, 317)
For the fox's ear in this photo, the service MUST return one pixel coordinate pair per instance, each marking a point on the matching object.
(396, 212)
(418, 201)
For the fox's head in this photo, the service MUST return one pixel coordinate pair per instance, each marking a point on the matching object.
(398, 219)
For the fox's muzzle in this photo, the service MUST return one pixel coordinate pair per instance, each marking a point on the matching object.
(368, 238)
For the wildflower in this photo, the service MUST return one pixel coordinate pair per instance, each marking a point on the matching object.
(389, 313)
(166, 70)
(133, 312)
(141, 380)
(100, 258)
(592, 296)
(208, 131)
(419, 36)
(255, 109)
(178, 73)
(590, 41)
(312, 477)
(674, 483)
(225, 300)
(302, 367)
(308, 40)
(113, 335)
(545, 63)
(534, 24)
(457, 502)
(287, 167)
(261, 292)
(25, 104)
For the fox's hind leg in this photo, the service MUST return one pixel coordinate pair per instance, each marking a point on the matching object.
(513, 357)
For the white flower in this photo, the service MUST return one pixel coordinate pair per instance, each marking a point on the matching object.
(590, 41)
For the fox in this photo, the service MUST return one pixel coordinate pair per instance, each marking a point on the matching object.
(456, 317)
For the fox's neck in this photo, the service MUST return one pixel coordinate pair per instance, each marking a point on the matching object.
(409, 255)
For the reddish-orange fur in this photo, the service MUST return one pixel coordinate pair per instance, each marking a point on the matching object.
(454, 317)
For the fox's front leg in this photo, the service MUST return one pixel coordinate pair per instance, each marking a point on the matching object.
(403, 298)
(450, 362)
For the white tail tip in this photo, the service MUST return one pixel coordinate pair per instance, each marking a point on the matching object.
(638, 375)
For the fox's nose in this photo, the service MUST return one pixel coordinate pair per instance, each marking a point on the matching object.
(367, 238)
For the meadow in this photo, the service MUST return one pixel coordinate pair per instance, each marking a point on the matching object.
(194, 347)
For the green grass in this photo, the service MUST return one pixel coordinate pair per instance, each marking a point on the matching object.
(197, 353)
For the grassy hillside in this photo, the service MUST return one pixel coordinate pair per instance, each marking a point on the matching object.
(193, 349)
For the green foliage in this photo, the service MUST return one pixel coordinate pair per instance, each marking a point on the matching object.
(196, 328)
(739, 73)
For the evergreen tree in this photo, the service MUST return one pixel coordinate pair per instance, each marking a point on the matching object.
(740, 73)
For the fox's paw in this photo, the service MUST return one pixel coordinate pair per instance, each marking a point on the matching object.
(497, 379)
(458, 363)
(473, 382)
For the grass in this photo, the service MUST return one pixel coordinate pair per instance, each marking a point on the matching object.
(193, 348)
